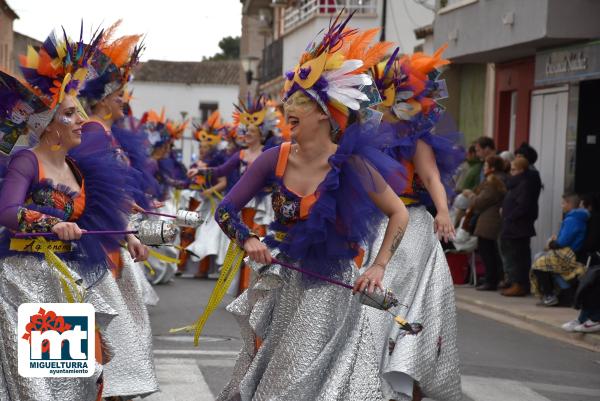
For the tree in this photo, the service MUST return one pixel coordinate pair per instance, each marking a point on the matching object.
(230, 49)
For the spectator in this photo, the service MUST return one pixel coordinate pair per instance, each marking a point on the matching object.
(555, 269)
(587, 298)
(486, 203)
(519, 212)
(469, 171)
(590, 251)
(484, 147)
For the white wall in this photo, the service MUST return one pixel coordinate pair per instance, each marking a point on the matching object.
(177, 97)
(403, 17)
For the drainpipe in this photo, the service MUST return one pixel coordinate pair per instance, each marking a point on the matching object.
(383, 19)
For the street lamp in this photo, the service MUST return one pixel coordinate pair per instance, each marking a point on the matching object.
(250, 64)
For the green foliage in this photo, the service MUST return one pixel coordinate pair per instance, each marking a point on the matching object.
(230, 49)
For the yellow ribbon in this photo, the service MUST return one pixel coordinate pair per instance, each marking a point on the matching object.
(149, 267)
(177, 197)
(162, 257)
(41, 245)
(233, 261)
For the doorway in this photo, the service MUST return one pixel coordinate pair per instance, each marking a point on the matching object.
(587, 157)
(548, 135)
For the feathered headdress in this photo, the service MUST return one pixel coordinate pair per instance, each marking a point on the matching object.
(20, 110)
(156, 127)
(409, 85)
(332, 71)
(255, 112)
(112, 65)
(61, 66)
(176, 129)
(209, 133)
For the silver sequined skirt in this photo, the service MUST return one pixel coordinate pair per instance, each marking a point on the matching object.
(130, 371)
(28, 279)
(317, 342)
(418, 274)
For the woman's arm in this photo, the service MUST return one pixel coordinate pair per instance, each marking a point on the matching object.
(227, 214)
(388, 202)
(220, 171)
(218, 187)
(427, 169)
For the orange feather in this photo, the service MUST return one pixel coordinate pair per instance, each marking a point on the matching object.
(374, 55)
(120, 50)
(359, 43)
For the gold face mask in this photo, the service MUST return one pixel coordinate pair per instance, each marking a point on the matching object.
(208, 139)
(254, 118)
(299, 102)
(308, 73)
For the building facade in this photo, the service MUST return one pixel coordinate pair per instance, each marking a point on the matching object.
(283, 28)
(186, 90)
(7, 56)
(541, 89)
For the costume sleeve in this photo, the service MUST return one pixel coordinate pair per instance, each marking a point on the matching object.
(21, 173)
(250, 184)
(226, 168)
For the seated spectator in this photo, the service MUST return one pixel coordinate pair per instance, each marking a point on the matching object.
(468, 171)
(519, 212)
(486, 202)
(559, 265)
(587, 298)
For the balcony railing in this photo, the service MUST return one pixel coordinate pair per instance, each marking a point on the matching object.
(306, 9)
(271, 65)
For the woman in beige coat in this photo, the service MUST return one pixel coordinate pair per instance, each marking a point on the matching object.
(486, 202)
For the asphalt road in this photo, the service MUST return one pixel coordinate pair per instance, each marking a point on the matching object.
(498, 362)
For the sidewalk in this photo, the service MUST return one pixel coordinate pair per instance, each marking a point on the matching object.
(523, 313)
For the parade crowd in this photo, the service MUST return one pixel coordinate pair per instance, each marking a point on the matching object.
(495, 212)
(312, 213)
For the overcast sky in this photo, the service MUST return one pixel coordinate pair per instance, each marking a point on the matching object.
(179, 30)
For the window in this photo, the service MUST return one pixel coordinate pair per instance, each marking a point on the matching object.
(206, 109)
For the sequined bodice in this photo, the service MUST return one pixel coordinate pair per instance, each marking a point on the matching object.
(286, 204)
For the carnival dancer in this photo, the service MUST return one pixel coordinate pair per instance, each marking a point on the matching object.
(170, 173)
(130, 372)
(330, 191)
(134, 142)
(210, 244)
(256, 123)
(427, 364)
(46, 190)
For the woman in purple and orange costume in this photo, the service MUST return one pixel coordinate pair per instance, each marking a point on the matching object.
(49, 187)
(330, 191)
(427, 364)
(257, 123)
(209, 247)
(130, 372)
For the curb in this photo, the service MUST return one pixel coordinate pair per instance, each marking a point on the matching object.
(527, 322)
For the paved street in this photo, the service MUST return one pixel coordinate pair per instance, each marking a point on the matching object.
(499, 362)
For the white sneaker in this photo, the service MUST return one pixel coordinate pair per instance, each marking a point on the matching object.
(589, 326)
(571, 325)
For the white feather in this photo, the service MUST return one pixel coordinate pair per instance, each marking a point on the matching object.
(347, 67)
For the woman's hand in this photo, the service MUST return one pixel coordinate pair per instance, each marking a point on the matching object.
(137, 250)
(257, 251)
(468, 193)
(370, 279)
(192, 172)
(67, 231)
(135, 208)
(443, 227)
(156, 204)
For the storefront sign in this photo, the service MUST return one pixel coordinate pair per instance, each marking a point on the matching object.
(569, 64)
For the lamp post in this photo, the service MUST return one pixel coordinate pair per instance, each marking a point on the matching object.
(250, 65)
